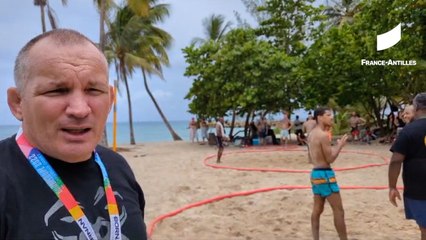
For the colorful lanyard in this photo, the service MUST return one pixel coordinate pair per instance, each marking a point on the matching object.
(51, 178)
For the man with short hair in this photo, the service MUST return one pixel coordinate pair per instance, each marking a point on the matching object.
(409, 151)
(323, 179)
(409, 114)
(55, 182)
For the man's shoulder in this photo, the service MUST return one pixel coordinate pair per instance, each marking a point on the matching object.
(419, 123)
(7, 141)
(318, 133)
(417, 126)
(109, 155)
(8, 147)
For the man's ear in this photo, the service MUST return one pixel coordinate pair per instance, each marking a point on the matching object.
(14, 102)
(111, 96)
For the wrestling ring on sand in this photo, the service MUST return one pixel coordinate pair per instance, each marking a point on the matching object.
(152, 225)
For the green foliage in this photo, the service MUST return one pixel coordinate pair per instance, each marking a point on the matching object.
(240, 73)
(297, 58)
(289, 23)
(341, 125)
(332, 66)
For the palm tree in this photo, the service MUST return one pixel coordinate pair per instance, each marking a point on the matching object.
(121, 42)
(133, 42)
(154, 42)
(103, 7)
(342, 12)
(215, 28)
(43, 4)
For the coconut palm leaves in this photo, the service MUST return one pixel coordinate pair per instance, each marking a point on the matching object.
(215, 28)
(45, 6)
(342, 12)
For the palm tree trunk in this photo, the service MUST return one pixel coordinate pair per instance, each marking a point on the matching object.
(43, 21)
(102, 25)
(129, 103)
(104, 140)
(175, 136)
(231, 132)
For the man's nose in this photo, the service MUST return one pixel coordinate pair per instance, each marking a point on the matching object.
(78, 106)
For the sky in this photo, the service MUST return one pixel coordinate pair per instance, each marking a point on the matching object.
(20, 21)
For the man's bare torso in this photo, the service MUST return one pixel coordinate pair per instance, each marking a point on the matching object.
(317, 139)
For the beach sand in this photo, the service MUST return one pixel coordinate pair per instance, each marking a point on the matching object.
(173, 175)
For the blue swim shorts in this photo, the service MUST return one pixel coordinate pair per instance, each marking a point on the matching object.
(324, 182)
(416, 210)
(285, 133)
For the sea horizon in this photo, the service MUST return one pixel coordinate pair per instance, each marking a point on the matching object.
(144, 131)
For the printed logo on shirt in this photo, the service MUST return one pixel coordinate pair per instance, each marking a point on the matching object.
(52, 220)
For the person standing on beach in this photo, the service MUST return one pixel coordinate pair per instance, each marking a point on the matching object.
(298, 130)
(220, 136)
(193, 127)
(309, 125)
(55, 182)
(409, 152)
(323, 179)
(354, 122)
(285, 128)
(204, 130)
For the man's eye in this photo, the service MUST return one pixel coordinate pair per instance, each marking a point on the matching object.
(94, 91)
(57, 91)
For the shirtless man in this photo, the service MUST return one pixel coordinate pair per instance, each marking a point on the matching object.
(285, 128)
(324, 184)
(309, 125)
(354, 121)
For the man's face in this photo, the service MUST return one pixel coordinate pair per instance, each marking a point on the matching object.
(408, 114)
(65, 100)
(326, 119)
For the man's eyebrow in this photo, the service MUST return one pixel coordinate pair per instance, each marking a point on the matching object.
(94, 83)
(52, 83)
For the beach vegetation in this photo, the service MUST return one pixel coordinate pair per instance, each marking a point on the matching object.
(302, 55)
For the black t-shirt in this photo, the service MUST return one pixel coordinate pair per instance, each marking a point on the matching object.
(29, 209)
(411, 143)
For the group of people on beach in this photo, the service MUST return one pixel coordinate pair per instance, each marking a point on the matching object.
(263, 132)
(57, 183)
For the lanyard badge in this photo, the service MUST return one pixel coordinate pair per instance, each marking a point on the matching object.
(51, 178)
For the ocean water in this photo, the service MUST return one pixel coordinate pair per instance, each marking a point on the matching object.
(144, 131)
